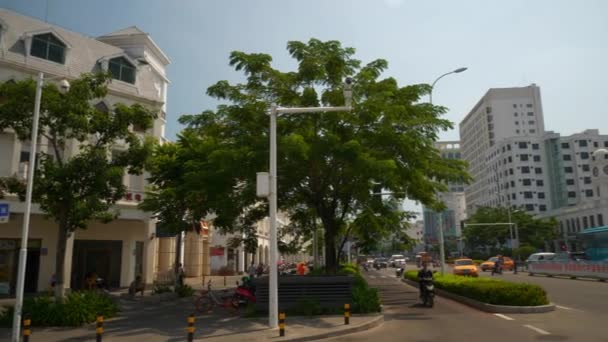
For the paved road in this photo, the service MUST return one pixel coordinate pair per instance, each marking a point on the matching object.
(451, 321)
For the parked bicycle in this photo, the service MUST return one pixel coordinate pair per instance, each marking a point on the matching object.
(207, 300)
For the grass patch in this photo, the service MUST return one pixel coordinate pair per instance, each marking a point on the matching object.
(489, 290)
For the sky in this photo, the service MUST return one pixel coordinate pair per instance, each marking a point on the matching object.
(560, 45)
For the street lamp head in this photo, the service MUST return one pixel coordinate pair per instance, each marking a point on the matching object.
(64, 86)
(459, 70)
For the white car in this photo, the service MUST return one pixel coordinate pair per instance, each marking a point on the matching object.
(395, 257)
(399, 262)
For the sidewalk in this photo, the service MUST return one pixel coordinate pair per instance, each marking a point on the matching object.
(151, 319)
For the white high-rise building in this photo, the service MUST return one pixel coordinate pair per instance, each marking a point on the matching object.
(501, 115)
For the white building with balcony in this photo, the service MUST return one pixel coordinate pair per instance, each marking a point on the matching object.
(125, 247)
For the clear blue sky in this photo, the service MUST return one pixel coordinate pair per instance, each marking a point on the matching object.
(561, 45)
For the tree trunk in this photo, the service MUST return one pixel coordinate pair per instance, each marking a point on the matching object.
(62, 240)
(178, 252)
(331, 262)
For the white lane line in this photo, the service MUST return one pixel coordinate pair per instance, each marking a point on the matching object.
(504, 317)
(383, 277)
(540, 331)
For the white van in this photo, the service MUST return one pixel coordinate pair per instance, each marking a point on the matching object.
(539, 257)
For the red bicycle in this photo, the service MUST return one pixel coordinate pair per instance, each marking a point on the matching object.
(206, 301)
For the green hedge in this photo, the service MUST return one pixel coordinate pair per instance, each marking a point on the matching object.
(489, 290)
(76, 309)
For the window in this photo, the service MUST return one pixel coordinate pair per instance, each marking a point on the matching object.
(102, 107)
(567, 157)
(587, 180)
(538, 170)
(605, 143)
(510, 171)
(539, 182)
(542, 207)
(568, 225)
(516, 123)
(568, 169)
(513, 196)
(536, 158)
(512, 184)
(510, 159)
(578, 224)
(541, 195)
(586, 167)
(508, 147)
(595, 144)
(24, 157)
(517, 131)
(592, 219)
(531, 122)
(582, 143)
(600, 220)
(528, 194)
(584, 155)
(515, 115)
(529, 207)
(535, 146)
(565, 145)
(527, 182)
(523, 157)
(585, 222)
(589, 193)
(571, 194)
(532, 131)
(525, 169)
(122, 70)
(48, 47)
(569, 181)
(528, 105)
(530, 113)
(514, 105)
(523, 145)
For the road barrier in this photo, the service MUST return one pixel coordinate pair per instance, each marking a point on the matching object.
(27, 321)
(582, 269)
(191, 328)
(346, 314)
(99, 328)
(282, 324)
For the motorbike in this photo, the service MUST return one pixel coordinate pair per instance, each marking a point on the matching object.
(428, 292)
(245, 292)
(497, 269)
(365, 267)
(399, 272)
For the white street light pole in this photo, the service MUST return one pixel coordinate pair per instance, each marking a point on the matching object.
(26, 214)
(273, 284)
(64, 85)
(441, 246)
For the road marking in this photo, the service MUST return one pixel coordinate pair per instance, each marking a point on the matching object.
(382, 276)
(540, 331)
(373, 277)
(504, 317)
(566, 308)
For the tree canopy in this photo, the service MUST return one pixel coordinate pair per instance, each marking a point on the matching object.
(328, 163)
(532, 232)
(79, 177)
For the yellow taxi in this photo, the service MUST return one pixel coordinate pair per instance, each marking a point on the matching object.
(465, 267)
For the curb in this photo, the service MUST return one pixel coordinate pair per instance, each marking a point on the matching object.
(376, 322)
(489, 307)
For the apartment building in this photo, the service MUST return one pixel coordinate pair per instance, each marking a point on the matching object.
(502, 113)
(126, 247)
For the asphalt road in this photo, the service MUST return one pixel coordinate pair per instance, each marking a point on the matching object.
(452, 321)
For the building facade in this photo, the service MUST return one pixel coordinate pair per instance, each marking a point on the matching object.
(126, 247)
(500, 114)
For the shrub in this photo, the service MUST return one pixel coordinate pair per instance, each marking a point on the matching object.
(308, 307)
(488, 290)
(184, 291)
(365, 299)
(76, 309)
(161, 288)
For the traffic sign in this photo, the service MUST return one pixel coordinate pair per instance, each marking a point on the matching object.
(4, 212)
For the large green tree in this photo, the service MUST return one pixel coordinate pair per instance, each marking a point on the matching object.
(80, 177)
(328, 163)
(532, 232)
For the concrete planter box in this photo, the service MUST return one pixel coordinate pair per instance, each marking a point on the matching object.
(488, 307)
(329, 291)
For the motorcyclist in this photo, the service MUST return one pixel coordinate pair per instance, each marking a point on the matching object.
(424, 272)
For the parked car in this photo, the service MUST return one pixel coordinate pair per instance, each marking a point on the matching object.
(539, 257)
(570, 256)
(380, 263)
(394, 258)
(488, 265)
(465, 267)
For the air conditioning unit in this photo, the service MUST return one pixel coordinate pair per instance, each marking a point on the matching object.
(22, 172)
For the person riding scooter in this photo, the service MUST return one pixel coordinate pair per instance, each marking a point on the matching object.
(423, 274)
(497, 269)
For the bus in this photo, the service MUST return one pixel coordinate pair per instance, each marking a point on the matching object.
(595, 243)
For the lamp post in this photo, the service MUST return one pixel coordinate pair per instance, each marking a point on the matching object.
(64, 86)
(273, 300)
(441, 246)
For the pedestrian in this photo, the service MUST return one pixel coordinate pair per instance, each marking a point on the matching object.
(180, 275)
(252, 270)
(260, 270)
